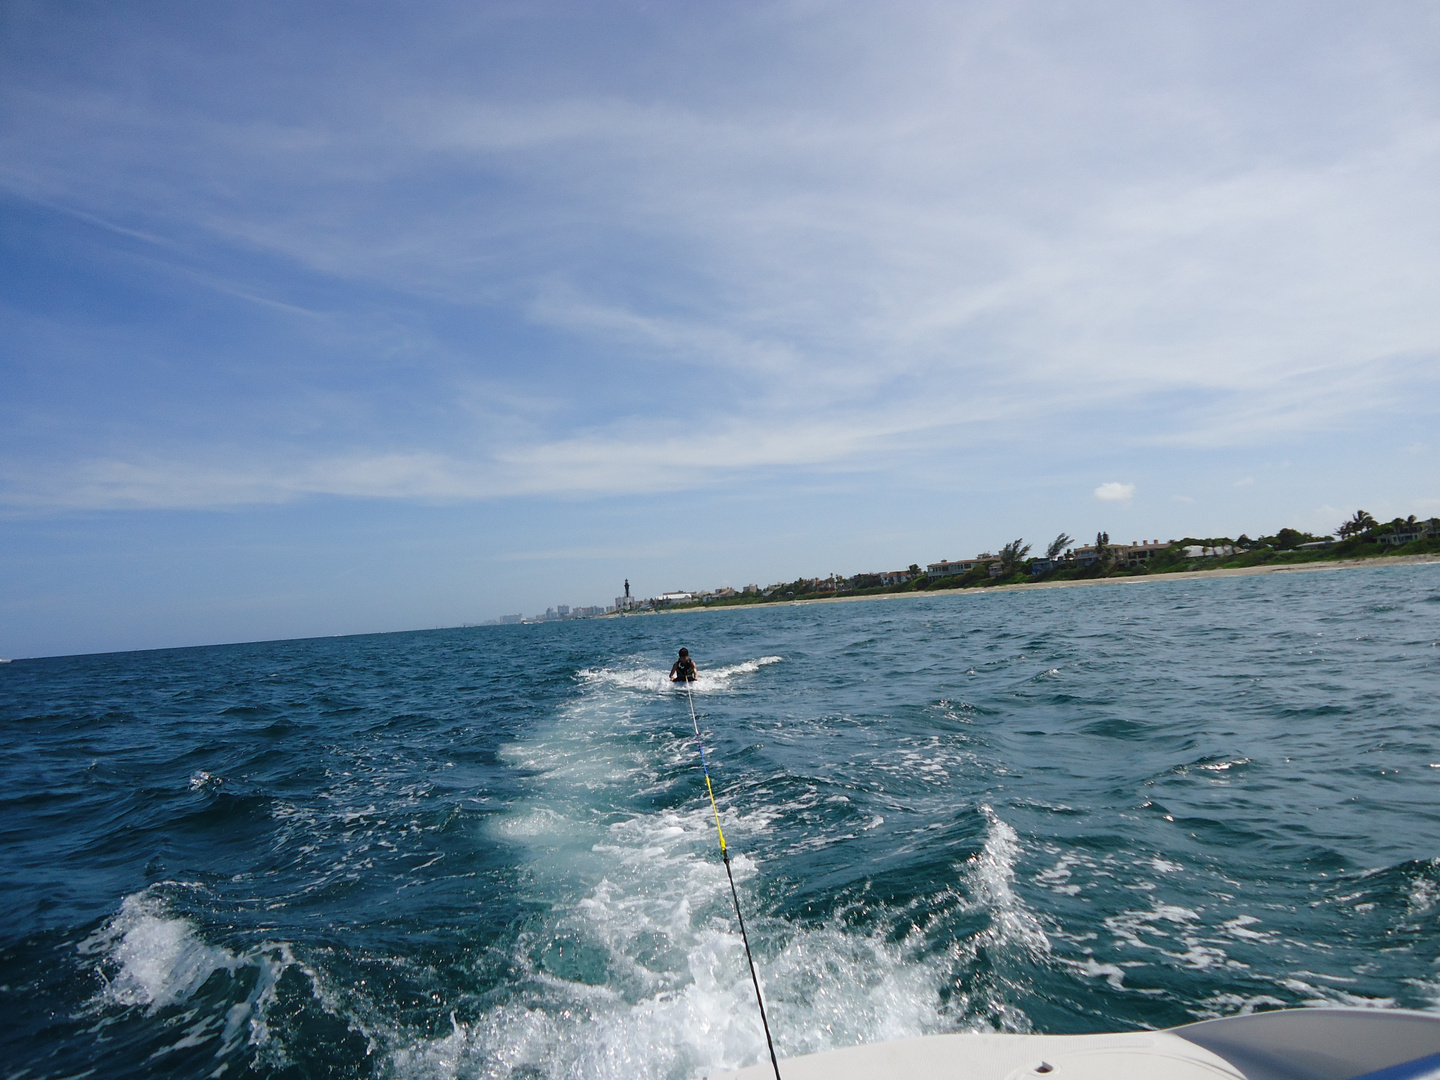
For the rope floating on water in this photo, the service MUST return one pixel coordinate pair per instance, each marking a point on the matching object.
(735, 896)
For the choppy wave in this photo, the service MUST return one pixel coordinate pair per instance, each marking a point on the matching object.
(153, 960)
(149, 959)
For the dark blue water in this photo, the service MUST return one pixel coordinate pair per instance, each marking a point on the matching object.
(486, 852)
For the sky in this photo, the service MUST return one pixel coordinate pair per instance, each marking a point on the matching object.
(340, 318)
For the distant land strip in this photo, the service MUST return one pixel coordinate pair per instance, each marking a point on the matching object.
(1034, 586)
(1360, 541)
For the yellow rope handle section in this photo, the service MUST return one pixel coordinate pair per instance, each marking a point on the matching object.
(719, 831)
(710, 789)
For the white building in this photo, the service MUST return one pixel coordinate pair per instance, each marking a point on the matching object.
(946, 568)
(1410, 531)
(1196, 551)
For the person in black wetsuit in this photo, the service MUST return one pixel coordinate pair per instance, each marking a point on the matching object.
(683, 670)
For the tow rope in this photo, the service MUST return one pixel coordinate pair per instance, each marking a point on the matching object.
(735, 896)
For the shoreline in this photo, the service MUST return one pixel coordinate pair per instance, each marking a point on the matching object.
(1179, 575)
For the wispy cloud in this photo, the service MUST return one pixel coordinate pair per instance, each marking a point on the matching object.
(166, 484)
(825, 262)
(668, 456)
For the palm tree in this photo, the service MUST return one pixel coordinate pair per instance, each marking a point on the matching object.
(1104, 557)
(1361, 523)
(1011, 554)
(1059, 544)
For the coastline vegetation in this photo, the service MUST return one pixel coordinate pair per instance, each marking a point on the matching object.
(1360, 537)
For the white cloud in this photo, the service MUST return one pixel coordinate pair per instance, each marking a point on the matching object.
(1114, 491)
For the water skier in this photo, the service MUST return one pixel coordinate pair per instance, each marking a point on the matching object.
(683, 670)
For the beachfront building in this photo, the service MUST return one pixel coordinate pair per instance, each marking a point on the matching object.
(675, 597)
(1197, 551)
(1139, 552)
(1135, 553)
(893, 577)
(1407, 532)
(945, 568)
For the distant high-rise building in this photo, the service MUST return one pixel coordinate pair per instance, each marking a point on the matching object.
(562, 610)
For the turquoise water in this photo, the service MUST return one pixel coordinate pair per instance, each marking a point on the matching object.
(486, 852)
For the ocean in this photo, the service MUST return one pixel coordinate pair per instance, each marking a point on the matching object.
(487, 852)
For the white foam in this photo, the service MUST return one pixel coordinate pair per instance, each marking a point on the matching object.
(149, 958)
(1239, 928)
(1223, 766)
(1223, 1004)
(1057, 877)
(1323, 997)
(708, 680)
(990, 876)
(676, 994)
(1422, 895)
(637, 968)
(154, 959)
(1093, 969)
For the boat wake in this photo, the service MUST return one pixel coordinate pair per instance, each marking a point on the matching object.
(709, 680)
(635, 969)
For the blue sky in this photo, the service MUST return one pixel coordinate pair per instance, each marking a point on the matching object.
(340, 318)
